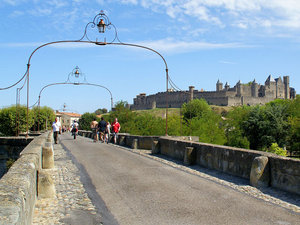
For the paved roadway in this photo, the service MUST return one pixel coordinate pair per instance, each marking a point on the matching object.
(131, 189)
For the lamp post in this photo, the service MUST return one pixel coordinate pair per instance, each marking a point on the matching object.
(102, 22)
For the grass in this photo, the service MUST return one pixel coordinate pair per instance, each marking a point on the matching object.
(161, 112)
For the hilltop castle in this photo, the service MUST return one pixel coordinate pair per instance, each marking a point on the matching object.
(251, 93)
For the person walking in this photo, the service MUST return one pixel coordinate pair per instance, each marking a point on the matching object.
(107, 132)
(116, 127)
(94, 125)
(56, 126)
(75, 128)
(102, 127)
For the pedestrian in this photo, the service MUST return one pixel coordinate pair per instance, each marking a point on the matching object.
(116, 127)
(56, 126)
(94, 125)
(102, 127)
(75, 128)
(107, 132)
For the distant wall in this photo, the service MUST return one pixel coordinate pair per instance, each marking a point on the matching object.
(18, 187)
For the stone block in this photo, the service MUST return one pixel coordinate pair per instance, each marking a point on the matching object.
(260, 172)
(122, 140)
(189, 156)
(134, 144)
(155, 147)
(47, 158)
(46, 187)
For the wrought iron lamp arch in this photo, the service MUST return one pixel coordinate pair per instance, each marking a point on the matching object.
(102, 22)
(68, 83)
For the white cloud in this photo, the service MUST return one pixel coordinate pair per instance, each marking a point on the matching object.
(171, 46)
(264, 13)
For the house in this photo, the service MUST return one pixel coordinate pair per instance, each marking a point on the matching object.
(66, 118)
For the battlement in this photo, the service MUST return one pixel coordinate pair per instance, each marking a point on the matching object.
(250, 93)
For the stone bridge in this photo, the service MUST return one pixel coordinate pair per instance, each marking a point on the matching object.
(147, 180)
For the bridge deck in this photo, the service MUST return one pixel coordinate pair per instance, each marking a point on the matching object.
(127, 188)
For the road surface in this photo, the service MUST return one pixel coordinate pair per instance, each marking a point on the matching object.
(132, 189)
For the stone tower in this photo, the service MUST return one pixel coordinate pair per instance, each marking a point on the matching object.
(191, 90)
(219, 86)
(227, 86)
(254, 89)
(286, 82)
(239, 90)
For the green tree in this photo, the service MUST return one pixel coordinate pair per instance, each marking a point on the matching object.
(85, 121)
(233, 127)
(45, 115)
(274, 148)
(266, 125)
(201, 121)
(293, 139)
(100, 111)
(8, 120)
(147, 124)
(208, 129)
(195, 108)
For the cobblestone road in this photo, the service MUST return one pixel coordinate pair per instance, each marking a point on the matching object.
(71, 204)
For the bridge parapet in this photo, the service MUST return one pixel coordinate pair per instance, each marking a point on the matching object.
(18, 187)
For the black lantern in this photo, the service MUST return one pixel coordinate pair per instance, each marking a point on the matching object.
(101, 26)
(76, 73)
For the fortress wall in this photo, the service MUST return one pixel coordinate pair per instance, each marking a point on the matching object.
(234, 101)
(246, 90)
(256, 101)
(18, 187)
(210, 94)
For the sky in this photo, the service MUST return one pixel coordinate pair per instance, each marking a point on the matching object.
(201, 40)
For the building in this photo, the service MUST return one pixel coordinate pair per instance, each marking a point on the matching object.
(251, 93)
(66, 118)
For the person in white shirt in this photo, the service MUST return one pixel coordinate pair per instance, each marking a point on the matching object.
(56, 129)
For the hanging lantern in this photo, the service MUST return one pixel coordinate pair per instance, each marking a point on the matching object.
(101, 26)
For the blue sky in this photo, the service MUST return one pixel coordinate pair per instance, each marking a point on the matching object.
(201, 40)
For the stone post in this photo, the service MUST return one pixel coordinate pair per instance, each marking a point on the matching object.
(47, 157)
(260, 172)
(191, 90)
(46, 187)
(134, 143)
(155, 147)
(189, 156)
(122, 140)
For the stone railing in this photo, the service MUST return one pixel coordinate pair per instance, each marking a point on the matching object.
(261, 168)
(18, 187)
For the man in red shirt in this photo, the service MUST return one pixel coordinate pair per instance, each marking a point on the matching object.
(115, 129)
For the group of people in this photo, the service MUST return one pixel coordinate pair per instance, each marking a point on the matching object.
(56, 128)
(104, 130)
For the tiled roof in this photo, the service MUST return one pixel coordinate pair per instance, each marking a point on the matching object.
(69, 114)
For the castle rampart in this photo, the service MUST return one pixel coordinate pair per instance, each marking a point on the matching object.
(251, 93)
